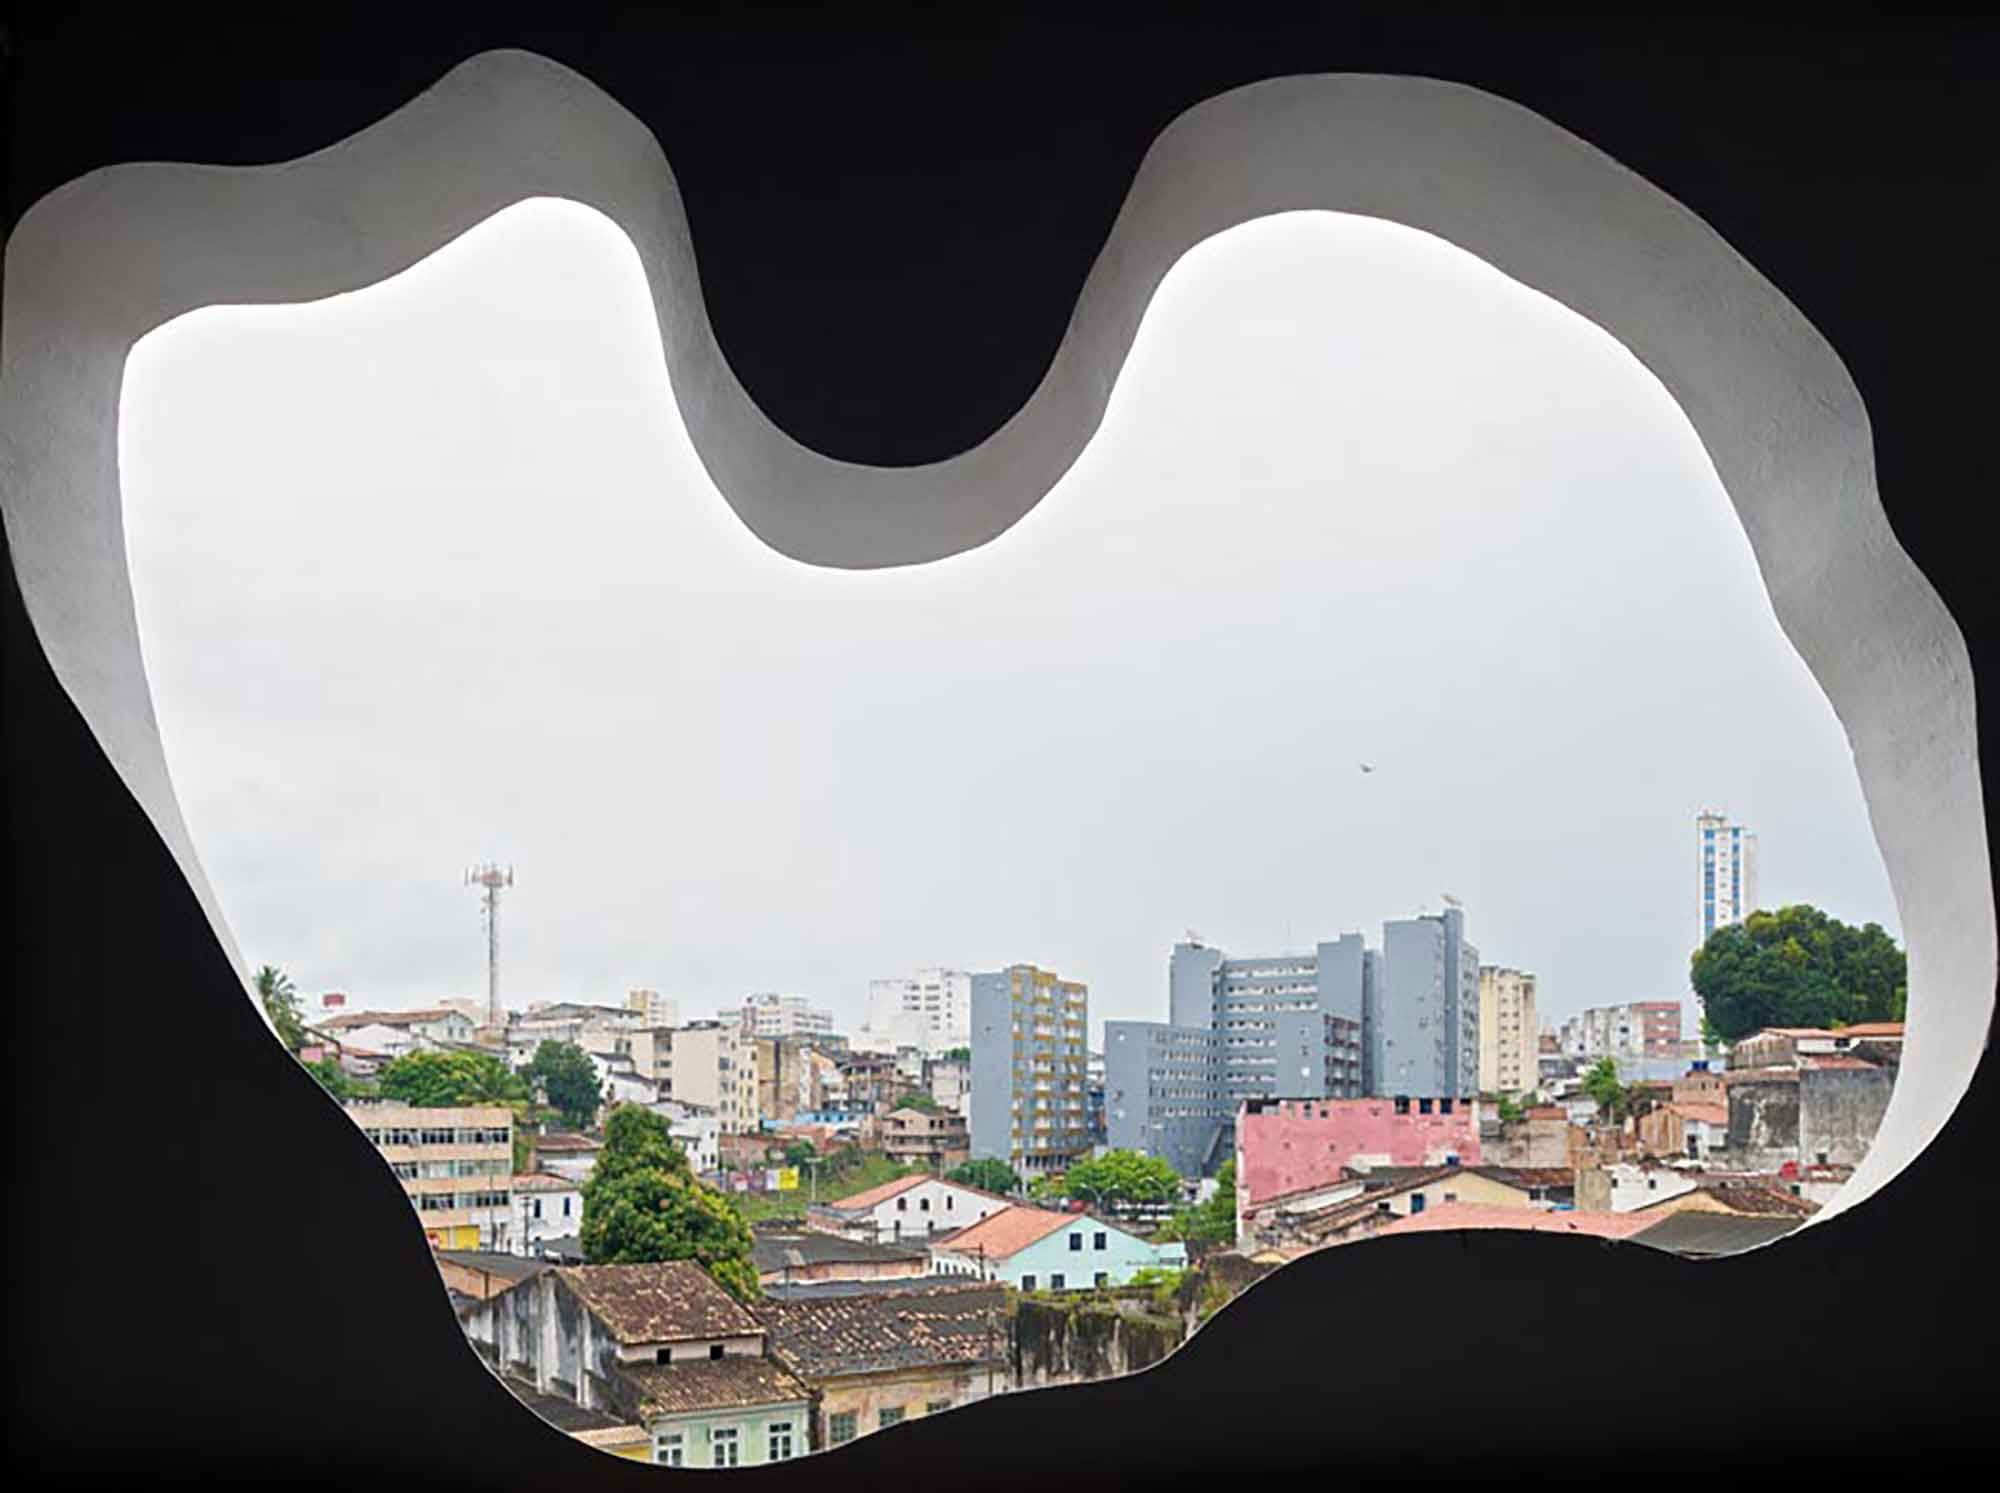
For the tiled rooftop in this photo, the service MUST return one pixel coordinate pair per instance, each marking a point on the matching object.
(1537, 1220)
(671, 1301)
(1009, 1231)
(881, 1193)
(712, 1384)
(867, 1333)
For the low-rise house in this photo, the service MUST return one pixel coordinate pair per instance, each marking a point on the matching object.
(565, 1154)
(908, 1207)
(877, 1357)
(660, 1346)
(1685, 1128)
(479, 1275)
(1039, 1249)
(914, 1137)
(1746, 1198)
(1316, 1218)
(546, 1207)
(1540, 1139)
(434, 1024)
(1622, 1186)
(795, 1256)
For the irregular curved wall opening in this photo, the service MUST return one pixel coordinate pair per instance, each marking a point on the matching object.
(98, 264)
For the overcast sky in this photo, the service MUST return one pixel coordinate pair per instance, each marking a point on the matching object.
(430, 574)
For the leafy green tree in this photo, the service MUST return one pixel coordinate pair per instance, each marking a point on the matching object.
(799, 1152)
(987, 1172)
(281, 1004)
(1046, 1187)
(333, 1078)
(958, 1054)
(1601, 1085)
(1212, 1222)
(1509, 1111)
(1797, 967)
(439, 1080)
(562, 1073)
(642, 1202)
(1122, 1179)
(921, 1102)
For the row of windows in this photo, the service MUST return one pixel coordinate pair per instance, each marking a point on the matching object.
(411, 1171)
(440, 1136)
(441, 1202)
(1060, 1282)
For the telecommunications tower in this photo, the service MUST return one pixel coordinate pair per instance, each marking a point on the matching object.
(493, 879)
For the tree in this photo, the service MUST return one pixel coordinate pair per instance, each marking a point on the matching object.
(1045, 1188)
(1797, 967)
(1212, 1222)
(642, 1203)
(921, 1102)
(958, 1055)
(1601, 1085)
(1122, 1179)
(988, 1172)
(440, 1080)
(799, 1152)
(562, 1073)
(281, 1004)
(1510, 1112)
(333, 1078)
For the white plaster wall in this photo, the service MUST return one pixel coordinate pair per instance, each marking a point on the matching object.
(103, 260)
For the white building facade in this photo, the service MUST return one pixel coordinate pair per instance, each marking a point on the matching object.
(769, 1014)
(930, 1010)
(1725, 872)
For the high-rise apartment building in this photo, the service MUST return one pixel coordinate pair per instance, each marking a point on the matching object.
(1642, 1038)
(769, 1014)
(456, 1167)
(713, 1065)
(1425, 1040)
(1725, 872)
(1029, 1068)
(1509, 1035)
(930, 1010)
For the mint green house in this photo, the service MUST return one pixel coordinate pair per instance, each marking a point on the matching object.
(1039, 1249)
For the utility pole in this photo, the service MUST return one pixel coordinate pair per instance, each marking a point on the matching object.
(492, 878)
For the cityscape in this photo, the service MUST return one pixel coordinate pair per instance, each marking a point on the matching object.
(722, 1240)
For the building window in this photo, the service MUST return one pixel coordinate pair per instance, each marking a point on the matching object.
(889, 1416)
(1103, 1278)
(663, 1355)
(1056, 1283)
(902, 1205)
(715, 1350)
(1076, 1241)
(840, 1427)
(670, 1449)
(725, 1447)
(924, 1204)
(1027, 1283)
(779, 1441)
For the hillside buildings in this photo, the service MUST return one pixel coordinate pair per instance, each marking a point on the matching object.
(1029, 1069)
(456, 1167)
(769, 1014)
(1643, 1038)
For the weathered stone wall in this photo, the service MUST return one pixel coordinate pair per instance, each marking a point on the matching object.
(1840, 1109)
(1085, 1337)
(1763, 1124)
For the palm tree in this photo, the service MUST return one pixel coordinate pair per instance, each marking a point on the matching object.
(281, 1005)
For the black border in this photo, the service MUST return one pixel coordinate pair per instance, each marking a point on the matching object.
(893, 213)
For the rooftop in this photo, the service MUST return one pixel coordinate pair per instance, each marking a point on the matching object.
(1701, 1235)
(905, 1285)
(565, 1142)
(712, 1384)
(558, 1410)
(774, 1251)
(541, 1182)
(1012, 1229)
(1876, 1029)
(670, 1301)
(1537, 1220)
(860, 1333)
(1708, 1114)
(869, 1197)
(505, 1267)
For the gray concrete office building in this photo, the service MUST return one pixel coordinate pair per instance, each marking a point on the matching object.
(1425, 1038)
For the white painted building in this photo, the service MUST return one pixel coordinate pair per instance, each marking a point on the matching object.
(907, 1208)
(546, 1207)
(1637, 1186)
(697, 1132)
(930, 1009)
(652, 1008)
(768, 1014)
(713, 1065)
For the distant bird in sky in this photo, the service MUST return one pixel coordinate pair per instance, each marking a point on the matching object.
(1368, 767)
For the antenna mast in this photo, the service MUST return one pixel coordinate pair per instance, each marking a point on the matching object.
(493, 879)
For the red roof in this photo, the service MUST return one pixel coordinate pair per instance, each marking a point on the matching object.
(1708, 1114)
(1874, 1029)
(878, 1194)
(1536, 1220)
(1009, 1231)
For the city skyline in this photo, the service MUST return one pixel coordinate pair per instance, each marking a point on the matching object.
(462, 677)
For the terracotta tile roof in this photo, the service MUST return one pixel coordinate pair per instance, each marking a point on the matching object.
(542, 1182)
(1537, 1220)
(712, 1384)
(1817, 1061)
(558, 1410)
(826, 1336)
(1758, 1199)
(1708, 1114)
(1528, 1176)
(1011, 1230)
(557, 1143)
(607, 1437)
(1761, 1075)
(881, 1193)
(1874, 1029)
(671, 1301)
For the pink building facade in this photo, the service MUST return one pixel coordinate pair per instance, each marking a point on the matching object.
(1286, 1145)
